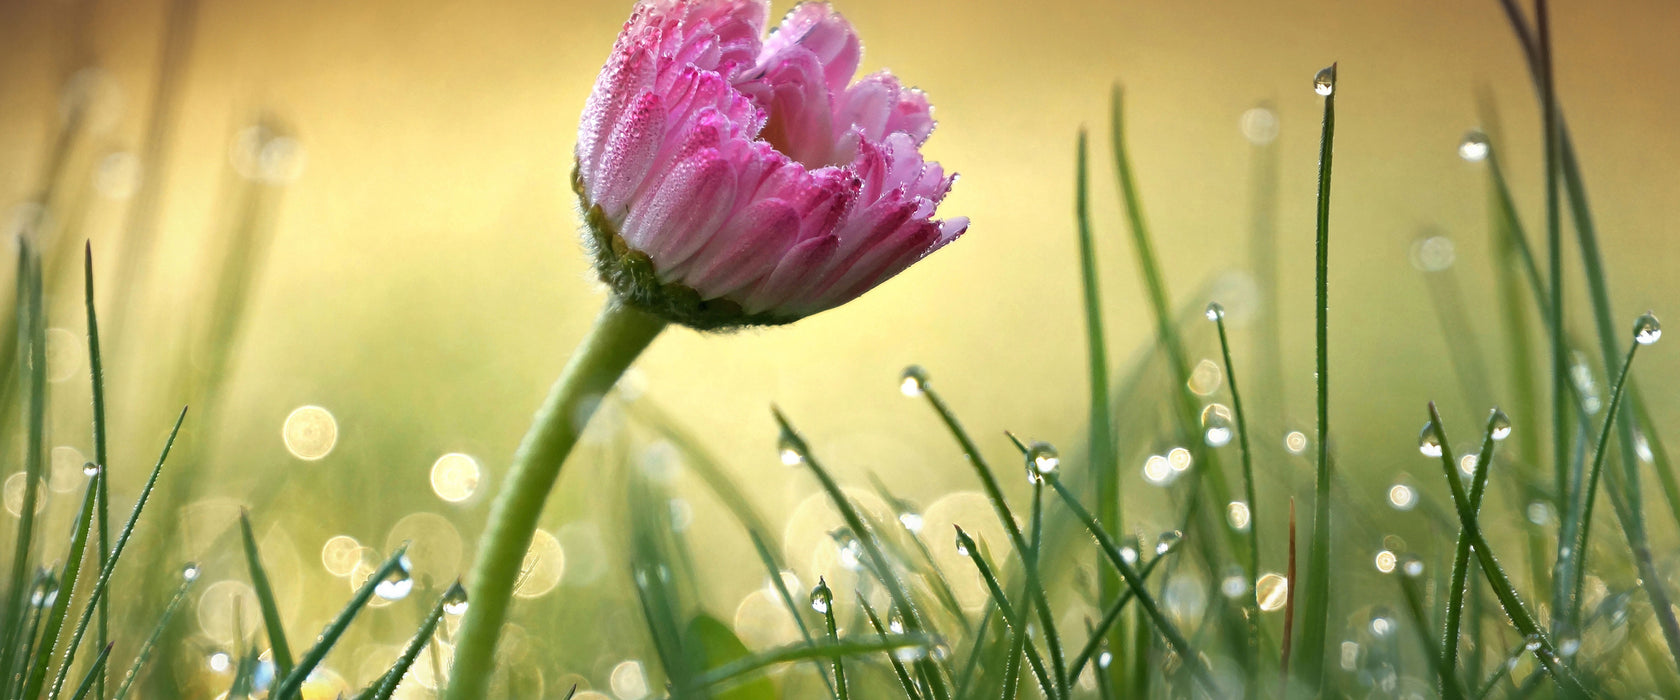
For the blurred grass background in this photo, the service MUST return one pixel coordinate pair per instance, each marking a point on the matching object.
(424, 282)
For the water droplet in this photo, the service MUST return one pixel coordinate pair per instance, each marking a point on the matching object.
(1215, 312)
(1402, 497)
(1128, 554)
(1428, 444)
(1042, 462)
(1467, 465)
(1474, 146)
(1385, 561)
(1238, 515)
(962, 543)
(1411, 565)
(1539, 512)
(1259, 125)
(190, 572)
(914, 381)
(1324, 83)
(1532, 642)
(1271, 591)
(396, 584)
(1646, 330)
(1567, 646)
(219, 662)
(455, 601)
(821, 597)
(1501, 425)
(1168, 541)
(1205, 378)
(90, 469)
(895, 624)
(1295, 442)
(911, 521)
(910, 654)
(1216, 425)
(790, 450)
(45, 593)
(1381, 625)
(1105, 659)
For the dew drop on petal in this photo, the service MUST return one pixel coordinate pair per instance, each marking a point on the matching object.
(1647, 330)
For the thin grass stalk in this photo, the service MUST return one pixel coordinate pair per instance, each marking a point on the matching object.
(739, 668)
(1110, 616)
(190, 575)
(1251, 604)
(31, 344)
(1448, 657)
(899, 672)
(1512, 603)
(1317, 594)
(96, 372)
(282, 651)
(1580, 558)
(1446, 681)
(786, 596)
(1012, 617)
(1289, 579)
(94, 674)
(988, 480)
(913, 622)
(37, 678)
(423, 636)
(290, 685)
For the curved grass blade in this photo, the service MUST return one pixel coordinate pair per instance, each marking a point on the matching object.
(1447, 660)
(1316, 596)
(1000, 506)
(913, 623)
(903, 676)
(37, 677)
(292, 683)
(1519, 615)
(736, 670)
(1251, 603)
(1006, 610)
(104, 580)
(1580, 545)
(95, 673)
(146, 648)
(388, 683)
(1166, 627)
(265, 598)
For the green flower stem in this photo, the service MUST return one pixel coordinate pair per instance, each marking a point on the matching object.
(620, 334)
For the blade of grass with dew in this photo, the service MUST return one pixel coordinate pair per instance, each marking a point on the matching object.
(96, 371)
(976, 651)
(388, 683)
(1447, 661)
(265, 597)
(1165, 626)
(188, 577)
(913, 623)
(105, 572)
(1518, 614)
(290, 684)
(822, 598)
(734, 671)
(1010, 615)
(903, 676)
(1580, 545)
(37, 677)
(1537, 49)
(1110, 616)
(1316, 596)
(774, 570)
(95, 672)
(1104, 458)
(1216, 313)
(1000, 507)
(1208, 472)
(935, 577)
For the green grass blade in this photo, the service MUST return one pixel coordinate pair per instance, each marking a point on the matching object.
(290, 684)
(422, 637)
(31, 344)
(189, 576)
(1216, 313)
(1518, 613)
(110, 564)
(1112, 550)
(96, 370)
(1448, 657)
(774, 569)
(1110, 616)
(1000, 506)
(1580, 546)
(933, 574)
(265, 598)
(66, 592)
(1411, 589)
(913, 623)
(903, 676)
(95, 673)
(827, 609)
(1316, 593)
(1010, 615)
(829, 649)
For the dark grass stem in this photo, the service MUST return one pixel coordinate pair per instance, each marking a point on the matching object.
(1284, 646)
(31, 344)
(1448, 657)
(190, 576)
(94, 674)
(1518, 613)
(1316, 595)
(786, 596)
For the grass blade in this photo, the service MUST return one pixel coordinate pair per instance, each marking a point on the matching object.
(289, 685)
(1110, 616)
(1000, 506)
(1519, 615)
(66, 593)
(903, 676)
(826, 598)
(1448, 657)
(1447, 684)
(1216, 313)
(1288, 610)
(105, 572)
(913, 623)
(1007, 611)
(95, 673)
(31, 344)
(265, 597)
(1316, 597)
(1580, 546)
(96, 370)
(423, 636)
(775, 571)
(189, 575)
(829, 649)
